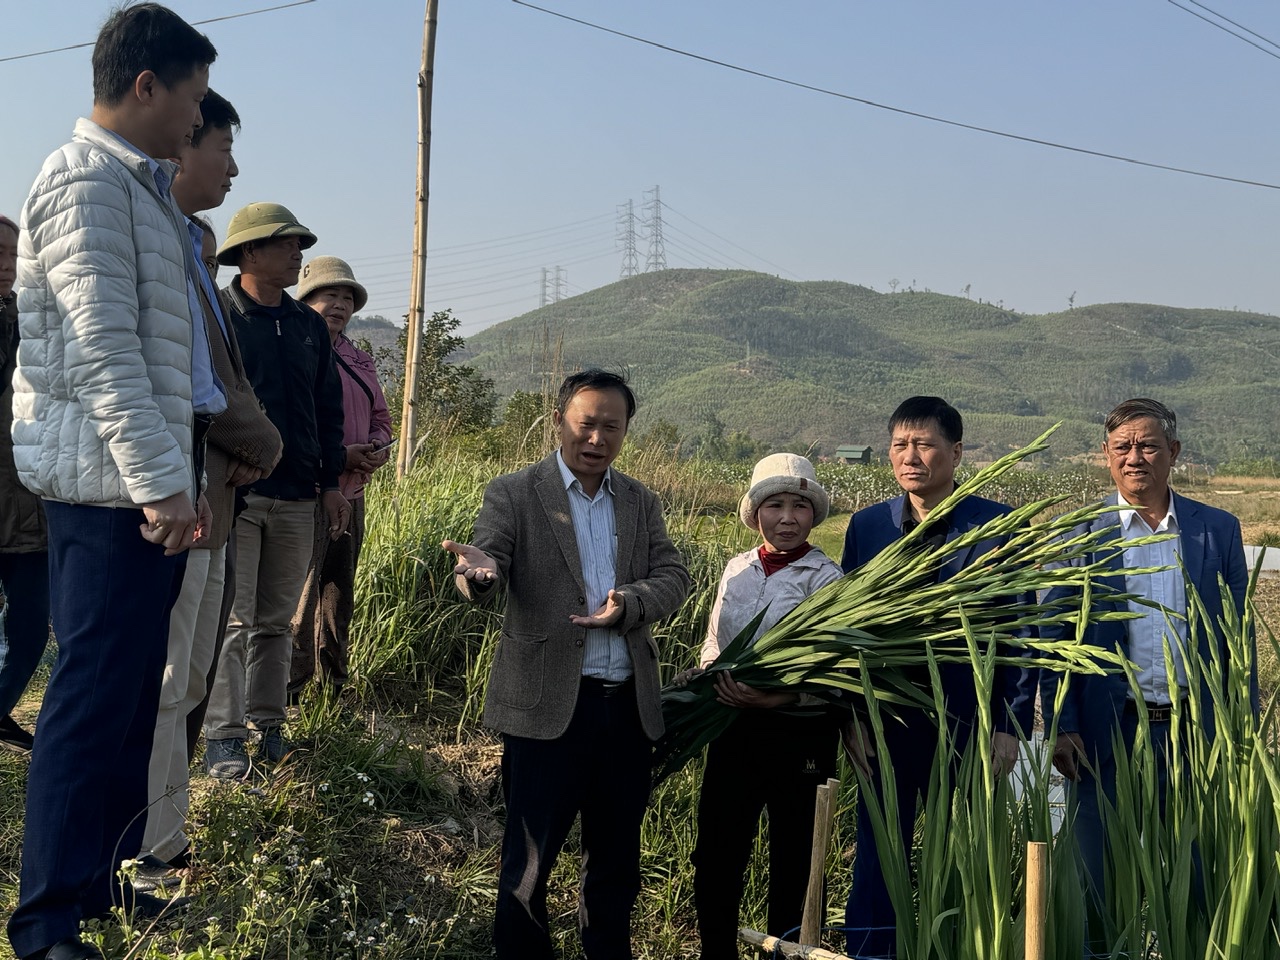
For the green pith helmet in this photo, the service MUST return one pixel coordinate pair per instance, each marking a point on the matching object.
(261, 221)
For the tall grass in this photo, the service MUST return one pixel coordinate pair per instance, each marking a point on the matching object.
(1195, 876)
(1198, 872)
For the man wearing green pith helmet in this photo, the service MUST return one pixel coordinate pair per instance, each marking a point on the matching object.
(288, 357)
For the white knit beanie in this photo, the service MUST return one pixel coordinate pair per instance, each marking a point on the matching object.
(783, 473)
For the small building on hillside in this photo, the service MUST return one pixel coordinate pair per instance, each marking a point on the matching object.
(853, 454)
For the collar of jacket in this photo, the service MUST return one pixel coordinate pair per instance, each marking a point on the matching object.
(138, 163)
(245, 305)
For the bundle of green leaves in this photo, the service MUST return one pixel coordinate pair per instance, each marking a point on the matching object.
(876, 628)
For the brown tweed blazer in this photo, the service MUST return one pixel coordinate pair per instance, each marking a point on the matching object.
(242, 430)
(526, 526)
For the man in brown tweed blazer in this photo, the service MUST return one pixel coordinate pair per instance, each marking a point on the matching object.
(241, 446)
(583, 557)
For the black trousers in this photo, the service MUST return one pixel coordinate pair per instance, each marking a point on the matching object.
(771, 761)
(599, 769)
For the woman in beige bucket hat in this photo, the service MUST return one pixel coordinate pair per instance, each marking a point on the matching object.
(321, 626)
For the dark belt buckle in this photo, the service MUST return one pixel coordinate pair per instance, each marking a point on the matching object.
(605, 688)
(1159, 712)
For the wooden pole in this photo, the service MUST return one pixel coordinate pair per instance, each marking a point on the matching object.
(418, 286)
(815, 906)
(1037, 898)
(785, 948)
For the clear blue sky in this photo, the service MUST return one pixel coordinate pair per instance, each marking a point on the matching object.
(543, 127)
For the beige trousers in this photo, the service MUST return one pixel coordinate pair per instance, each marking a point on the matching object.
(193, 633)
(274, 540)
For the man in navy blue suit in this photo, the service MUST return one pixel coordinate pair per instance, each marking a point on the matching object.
(1141, 446)
(925, 447)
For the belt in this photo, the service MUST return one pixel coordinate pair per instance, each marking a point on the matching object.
(1156, 712)
(595, 687)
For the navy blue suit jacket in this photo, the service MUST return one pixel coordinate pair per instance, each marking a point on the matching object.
(874, 528)
(1211, 547)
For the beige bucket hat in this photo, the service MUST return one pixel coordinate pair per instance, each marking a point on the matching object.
(330, 272)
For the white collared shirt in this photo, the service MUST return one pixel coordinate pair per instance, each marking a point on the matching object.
(605, 653)
(1167, 588)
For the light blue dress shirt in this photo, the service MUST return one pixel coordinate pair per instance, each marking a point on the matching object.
(1167, 588)
(605, 654)
(207, 395)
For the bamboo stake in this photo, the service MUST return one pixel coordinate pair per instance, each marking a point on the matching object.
(418, 290)
(1037, 898)
(786, 948)
(814, 901)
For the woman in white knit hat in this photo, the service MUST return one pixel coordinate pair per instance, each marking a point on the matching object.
(782, 745)
(320, 629)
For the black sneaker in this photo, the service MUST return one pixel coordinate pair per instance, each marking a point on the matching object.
(14, 737)
(154, 874)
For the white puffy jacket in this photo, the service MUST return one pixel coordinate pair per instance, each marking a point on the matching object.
(102, 393)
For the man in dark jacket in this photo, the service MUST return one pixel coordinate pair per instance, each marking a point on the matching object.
(24, 548)
(925, 447)
(289, 362)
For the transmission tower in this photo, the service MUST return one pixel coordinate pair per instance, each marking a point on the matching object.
(542, 298)
(627, 239)
(557, 285)
(657, 253)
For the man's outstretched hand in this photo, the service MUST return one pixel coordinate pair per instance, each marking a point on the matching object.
(473, 563)
(609, 613)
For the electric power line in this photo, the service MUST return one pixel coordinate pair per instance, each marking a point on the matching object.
(1235, 24)
(990, 131)
(194, 23)
(1214, 23)
(756, 256)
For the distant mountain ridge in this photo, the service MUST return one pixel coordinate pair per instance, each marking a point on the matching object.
(823, 363)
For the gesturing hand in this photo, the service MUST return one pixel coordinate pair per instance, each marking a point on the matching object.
(473, 563)
(609, 613)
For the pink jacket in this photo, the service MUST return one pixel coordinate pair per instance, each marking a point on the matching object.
(365, 420)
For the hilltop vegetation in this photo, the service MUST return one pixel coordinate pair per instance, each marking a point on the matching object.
(819, 364)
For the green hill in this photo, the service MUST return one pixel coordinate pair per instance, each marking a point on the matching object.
(824, 363)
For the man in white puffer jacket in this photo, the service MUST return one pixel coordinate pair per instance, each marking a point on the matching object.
(109, 399)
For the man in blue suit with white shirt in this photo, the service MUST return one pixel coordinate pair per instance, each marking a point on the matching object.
(925, 447)
(1141, 446)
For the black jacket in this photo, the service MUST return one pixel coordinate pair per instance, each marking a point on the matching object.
(22, 527)
(290, 365)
